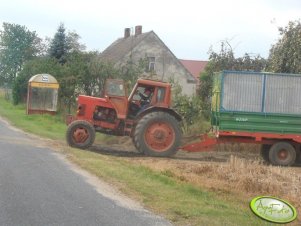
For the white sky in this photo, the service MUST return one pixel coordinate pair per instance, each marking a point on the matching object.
(187, 27)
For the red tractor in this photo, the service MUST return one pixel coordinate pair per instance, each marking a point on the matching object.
(146, 116)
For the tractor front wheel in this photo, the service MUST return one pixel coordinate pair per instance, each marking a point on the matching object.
(157, 134)
(80, 134)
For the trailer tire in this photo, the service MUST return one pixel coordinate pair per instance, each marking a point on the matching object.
(264, 152)
(298, 155)
(80, 134)
(282, 154)
(157, 134)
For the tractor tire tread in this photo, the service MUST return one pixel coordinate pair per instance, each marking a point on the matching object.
(141, 126)
(71, 129)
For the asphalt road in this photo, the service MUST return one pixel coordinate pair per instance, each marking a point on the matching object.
(38, 188)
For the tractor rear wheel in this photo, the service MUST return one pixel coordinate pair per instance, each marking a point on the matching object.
(282, 154)
(157, 134)
(133, 140)
(80, 134)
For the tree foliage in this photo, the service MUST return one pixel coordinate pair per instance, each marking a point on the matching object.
(99, 72)
(190, 108)
(17, 45)
(33, 67)
(51, 66)
(63, 44)
(285, 55)
(73, 43)
(83, 73)
(58, 47)
(225, 60)
(90, 71)
(131, 71)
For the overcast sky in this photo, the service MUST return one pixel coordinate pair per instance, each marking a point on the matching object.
(187, 27)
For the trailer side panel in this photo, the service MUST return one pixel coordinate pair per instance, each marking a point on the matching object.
(257, 102)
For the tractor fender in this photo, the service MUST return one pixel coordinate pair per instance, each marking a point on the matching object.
(162, 109)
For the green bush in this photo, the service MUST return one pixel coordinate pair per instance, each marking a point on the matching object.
(191, 110)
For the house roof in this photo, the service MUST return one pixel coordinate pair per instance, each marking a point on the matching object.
(118, 49)
(122, 46)
(195, 67)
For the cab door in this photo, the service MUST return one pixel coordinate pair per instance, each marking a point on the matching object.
(115, 93)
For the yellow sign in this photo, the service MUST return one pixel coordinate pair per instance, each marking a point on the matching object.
(45, 85)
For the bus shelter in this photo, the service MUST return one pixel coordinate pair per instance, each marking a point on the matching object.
(42, 94)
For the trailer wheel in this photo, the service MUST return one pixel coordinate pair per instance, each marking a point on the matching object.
(264, 152)
(80, 134)
(282, 154)
(157, 134)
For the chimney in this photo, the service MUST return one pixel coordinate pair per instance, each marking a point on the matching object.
(138, 30)
(127, 32)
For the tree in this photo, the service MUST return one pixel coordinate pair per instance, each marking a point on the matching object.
(89, 71)
(78, 63)
(63, 44)
(63, 73)
(17, 45)
(30, 68)
(285, 55)
(225, 60)
(131, 71)
(58, 47)
(73, 43)
(99, 72)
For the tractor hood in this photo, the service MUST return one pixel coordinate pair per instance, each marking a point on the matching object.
(93, 101)
(87, 104)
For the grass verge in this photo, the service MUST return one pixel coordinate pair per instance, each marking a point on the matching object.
(180, 201)
(43, 125)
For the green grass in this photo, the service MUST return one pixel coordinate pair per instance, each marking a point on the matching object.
(43, 125)
(178, 201)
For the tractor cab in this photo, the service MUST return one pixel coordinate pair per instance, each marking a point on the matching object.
(115, 94)
(148, 94)
(145, 94)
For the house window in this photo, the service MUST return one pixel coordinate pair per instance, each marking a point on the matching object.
(151, 64)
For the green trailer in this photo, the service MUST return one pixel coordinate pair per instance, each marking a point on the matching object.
(257, 107)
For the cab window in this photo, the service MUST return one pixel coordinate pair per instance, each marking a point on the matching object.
(160, 95)
(115, 88)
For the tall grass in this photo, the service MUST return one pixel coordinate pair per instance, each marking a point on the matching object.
(245, 177)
